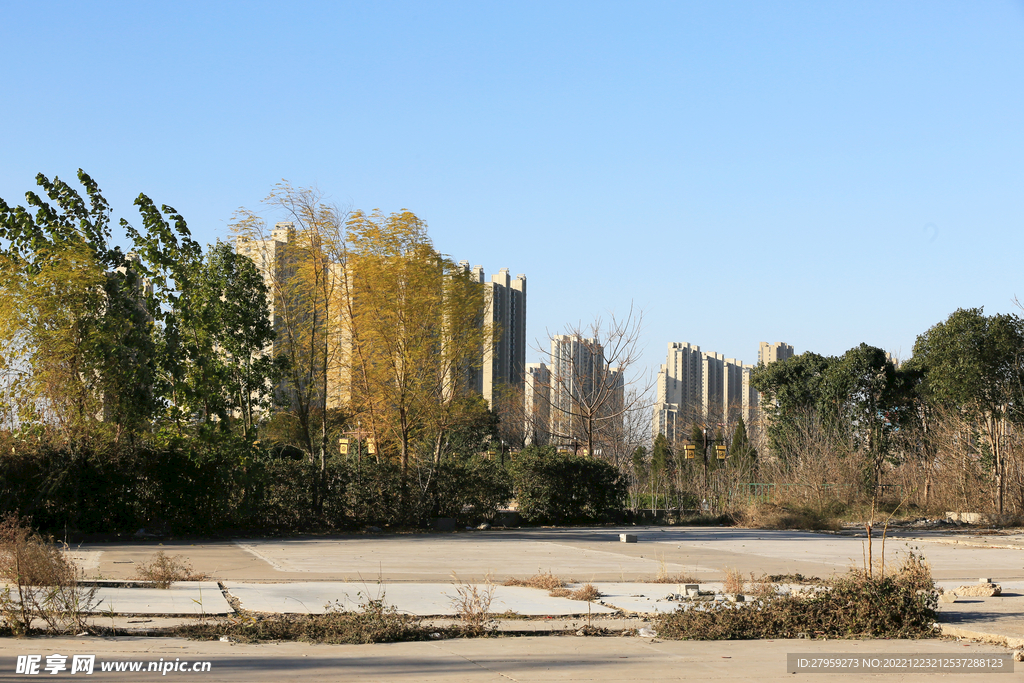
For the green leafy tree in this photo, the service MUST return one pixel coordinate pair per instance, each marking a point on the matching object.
(790, 394)
(974, 364)
(866, 399)
(236, 295)
(76, 345)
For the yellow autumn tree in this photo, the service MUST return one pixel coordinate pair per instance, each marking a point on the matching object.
(416, 332)
(375, 324)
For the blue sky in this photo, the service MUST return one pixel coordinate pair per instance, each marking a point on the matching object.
(817, 173)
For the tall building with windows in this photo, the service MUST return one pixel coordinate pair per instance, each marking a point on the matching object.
(504, 361)
(276, 259)
(697, 386)
(586, 394)
(769, 353)
(501, 363)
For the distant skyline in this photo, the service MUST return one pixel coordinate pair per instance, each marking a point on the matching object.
(823, 174)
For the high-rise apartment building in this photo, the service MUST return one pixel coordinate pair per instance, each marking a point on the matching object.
(500, 363)
(769, 353)
(699, 386)
(504, 361)
(586, 394)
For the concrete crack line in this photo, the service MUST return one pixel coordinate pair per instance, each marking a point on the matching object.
(252, 551)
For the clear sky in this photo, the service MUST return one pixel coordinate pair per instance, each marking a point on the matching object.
(820, 173)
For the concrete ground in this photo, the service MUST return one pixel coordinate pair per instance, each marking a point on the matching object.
(414, 572)
(584, 554)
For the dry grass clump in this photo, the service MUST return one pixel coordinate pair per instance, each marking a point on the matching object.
(734, 583)
(542, 580)
(43, 582)
(900, 604)
(762, 588)
(770, 516)
(473, 604)
(164, 570)
(587, 593)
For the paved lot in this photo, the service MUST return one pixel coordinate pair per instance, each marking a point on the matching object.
(581, 554)
(415, 572)
(490, 660)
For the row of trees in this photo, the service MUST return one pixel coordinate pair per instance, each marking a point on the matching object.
(942, 428)
(941, 431)
(170, 369)
(93, 339)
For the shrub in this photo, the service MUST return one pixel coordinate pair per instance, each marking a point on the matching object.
(377, 622)
(565, 488)
(164, 570)
(470, 489)
(899, 605)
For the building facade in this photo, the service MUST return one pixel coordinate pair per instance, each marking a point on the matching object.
(504, 361)
(586, 395)
(769, 353)
(501, 363)
(697, 386)
(537, 396)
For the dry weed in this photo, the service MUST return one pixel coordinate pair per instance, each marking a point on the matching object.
(587, 593)
(762, 588)
(42, 580)
(163, 570)
(769, 516)
(542, 580)
(473, 604)
(734, 583)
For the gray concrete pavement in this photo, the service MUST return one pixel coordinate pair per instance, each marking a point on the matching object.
(487, 660)
(191, 599)
(302, 574)
(585, 554)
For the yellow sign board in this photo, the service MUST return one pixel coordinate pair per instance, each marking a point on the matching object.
(721, 452)
(690, 451)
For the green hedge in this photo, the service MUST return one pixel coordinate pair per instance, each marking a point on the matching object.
(562, 488)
